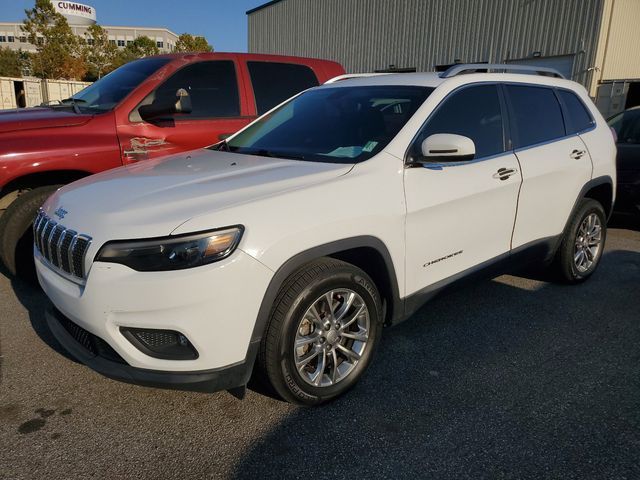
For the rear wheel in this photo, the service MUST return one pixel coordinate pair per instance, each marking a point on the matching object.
(583, 244)
(323, 330)
(16, 235)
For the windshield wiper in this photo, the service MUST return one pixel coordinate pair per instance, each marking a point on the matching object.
(74, 103)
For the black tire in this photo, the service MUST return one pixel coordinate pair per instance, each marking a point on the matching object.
(298, 293)
(16, 235)
(564, 262)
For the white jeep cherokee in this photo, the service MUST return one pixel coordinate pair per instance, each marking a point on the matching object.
(292, 243)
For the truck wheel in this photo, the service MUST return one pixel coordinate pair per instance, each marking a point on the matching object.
(16, 235)
(324, 327)
(581, 249)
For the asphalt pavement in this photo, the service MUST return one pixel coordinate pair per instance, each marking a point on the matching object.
(506, 378)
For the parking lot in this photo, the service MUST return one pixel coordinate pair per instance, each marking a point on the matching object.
(509, 378)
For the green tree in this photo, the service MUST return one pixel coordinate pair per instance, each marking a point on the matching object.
(100, 54)
(58, 50)
(190, 43)
(11, 63)
(138, 48)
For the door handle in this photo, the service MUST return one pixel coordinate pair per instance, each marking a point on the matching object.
(504, 173)
(577, 154)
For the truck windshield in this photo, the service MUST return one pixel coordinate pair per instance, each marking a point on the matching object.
(336, 125)
(107, 92)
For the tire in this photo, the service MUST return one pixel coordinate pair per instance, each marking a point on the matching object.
(291, 319)
(570, 269)
(16, 235)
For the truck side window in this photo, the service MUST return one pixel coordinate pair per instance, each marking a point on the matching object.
(274, 82)
(473, 112)
(213, 87)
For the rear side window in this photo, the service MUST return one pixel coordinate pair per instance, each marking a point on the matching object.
(473, 112)
(273, 82)
(537, 115)
(213, 87)
(578, 117)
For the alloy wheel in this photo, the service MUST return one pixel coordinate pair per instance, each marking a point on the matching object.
(588, 242)
(331, 337)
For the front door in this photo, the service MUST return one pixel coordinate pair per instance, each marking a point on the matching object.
(217, 111)
(461, 214)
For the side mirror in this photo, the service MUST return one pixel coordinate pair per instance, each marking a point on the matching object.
(447, 147)
(166, 108)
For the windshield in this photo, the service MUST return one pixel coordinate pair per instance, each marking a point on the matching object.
(107, 92)
(338, 125)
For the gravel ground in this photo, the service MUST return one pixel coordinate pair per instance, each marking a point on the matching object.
(508, 378)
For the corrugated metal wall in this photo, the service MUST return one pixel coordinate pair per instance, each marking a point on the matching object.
(365, 35)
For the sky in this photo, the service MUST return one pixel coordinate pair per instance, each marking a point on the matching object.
(222, 22)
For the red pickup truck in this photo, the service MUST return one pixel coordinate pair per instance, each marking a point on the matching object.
(150, 107)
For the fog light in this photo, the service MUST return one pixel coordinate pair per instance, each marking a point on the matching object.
(165, 344)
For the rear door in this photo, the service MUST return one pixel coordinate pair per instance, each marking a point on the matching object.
(219, 109)
(274, 82)
(555, 162)
(461, 214)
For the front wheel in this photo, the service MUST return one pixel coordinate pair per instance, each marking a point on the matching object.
(583, 244)
(324, 327)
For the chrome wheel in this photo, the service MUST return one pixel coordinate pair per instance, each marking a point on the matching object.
(331, 337)
(588, 243)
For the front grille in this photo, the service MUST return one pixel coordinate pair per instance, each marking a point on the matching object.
(64, 249)
(88, 340)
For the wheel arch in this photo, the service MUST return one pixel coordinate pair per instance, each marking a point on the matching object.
(366, 252)
(41, 179)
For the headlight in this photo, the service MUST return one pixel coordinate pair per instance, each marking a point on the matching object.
(172, 253)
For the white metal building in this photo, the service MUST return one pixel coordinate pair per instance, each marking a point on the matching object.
(80, 17)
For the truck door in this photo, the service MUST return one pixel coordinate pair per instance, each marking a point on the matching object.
(218, 109)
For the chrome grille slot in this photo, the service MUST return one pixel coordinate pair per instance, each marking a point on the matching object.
(63, 249)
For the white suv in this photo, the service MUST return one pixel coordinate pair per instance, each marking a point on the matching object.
(289, 246)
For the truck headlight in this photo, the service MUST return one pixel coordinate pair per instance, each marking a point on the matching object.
(172, 253)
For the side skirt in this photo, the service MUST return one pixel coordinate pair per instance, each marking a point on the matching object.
(539, 252)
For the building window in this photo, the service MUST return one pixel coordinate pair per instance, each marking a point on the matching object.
(3, 39)
(121, 43)
(129, 42)
(23, 39)
(40, 40)
(160, 44)
(11, 39)
(90, 41)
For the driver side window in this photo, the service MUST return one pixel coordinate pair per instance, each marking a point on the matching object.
(212, 86)
(473, 112)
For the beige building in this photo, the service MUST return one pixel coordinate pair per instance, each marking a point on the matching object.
(11, 36)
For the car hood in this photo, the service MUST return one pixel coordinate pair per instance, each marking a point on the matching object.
(36, 117)
(154, 197)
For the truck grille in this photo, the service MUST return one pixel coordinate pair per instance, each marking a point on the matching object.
(64, 249)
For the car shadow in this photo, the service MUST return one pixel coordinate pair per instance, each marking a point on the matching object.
(34, 300)
(517, 379)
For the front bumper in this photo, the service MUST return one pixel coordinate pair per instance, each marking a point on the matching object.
(215, 306)
(99, 356)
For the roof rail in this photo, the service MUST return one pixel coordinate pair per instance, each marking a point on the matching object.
(347, 76)
(504, 67)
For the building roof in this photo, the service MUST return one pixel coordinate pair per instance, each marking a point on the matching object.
(264, 5)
